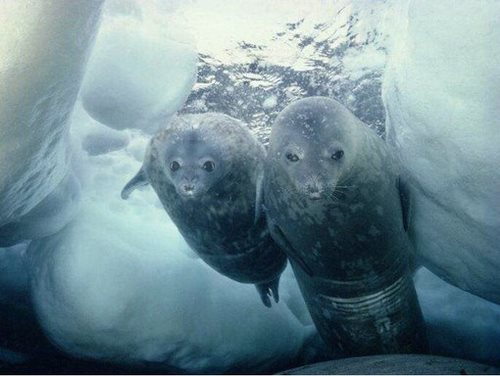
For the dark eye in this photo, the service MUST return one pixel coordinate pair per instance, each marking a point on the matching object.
(337, 155)
(292, 157)
(208, 166)
(174, 166)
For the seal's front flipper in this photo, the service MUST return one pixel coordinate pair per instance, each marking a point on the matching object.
(268, 289)
(274, 286)
(289, 250)
(404, 196)
(265, 293)
(139, 180)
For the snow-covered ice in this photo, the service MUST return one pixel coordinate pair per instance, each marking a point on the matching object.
(441, 91)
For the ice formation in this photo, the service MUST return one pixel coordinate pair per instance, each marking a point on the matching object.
(43, 52)
(102, 141)
(459, 324)
(13, 276)
(48, 217)
(137, 77)
(119, 284)
(441, 91)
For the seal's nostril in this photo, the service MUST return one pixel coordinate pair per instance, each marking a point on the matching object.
(188, 187)
(312, 189)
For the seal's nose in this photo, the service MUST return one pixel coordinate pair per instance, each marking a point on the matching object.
(188, 184)
(314, 191)
(312, 188)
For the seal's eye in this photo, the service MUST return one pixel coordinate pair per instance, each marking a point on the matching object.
(208, 166)
(337, 155)
(292, 157)
(174, 166)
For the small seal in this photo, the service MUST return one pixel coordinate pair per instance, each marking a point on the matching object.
(335, 204)
(207, 170)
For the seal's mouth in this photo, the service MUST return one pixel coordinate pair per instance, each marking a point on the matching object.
(187, 190)
(315, 196)
(314, 192)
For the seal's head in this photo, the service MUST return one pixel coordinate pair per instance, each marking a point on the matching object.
(192, 164)
(191, 153)
(194, 154)
(312, 143)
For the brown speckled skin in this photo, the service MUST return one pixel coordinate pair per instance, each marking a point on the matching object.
(220, 224)
(358, 287)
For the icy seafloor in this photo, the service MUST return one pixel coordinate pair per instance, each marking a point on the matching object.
(118, 284)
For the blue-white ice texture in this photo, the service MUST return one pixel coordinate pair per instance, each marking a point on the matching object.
(137, 75)
(442, 95)
(119, 283)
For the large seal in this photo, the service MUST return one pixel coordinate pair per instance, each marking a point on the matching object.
(399, 364)
(207, 171)
(332, 196)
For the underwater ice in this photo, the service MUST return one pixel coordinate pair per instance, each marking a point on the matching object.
(441, 91)
(119, 283)
(459, 324)
(43, 51)
(48, 217)
(104, 140)
(137, 77)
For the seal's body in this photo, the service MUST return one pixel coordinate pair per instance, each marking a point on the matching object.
(332, 193)
(206, 169)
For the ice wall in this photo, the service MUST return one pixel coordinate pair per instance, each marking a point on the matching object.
(43, 52)
(442, 97)
(48, 217)
(138, 75)
(459, 324)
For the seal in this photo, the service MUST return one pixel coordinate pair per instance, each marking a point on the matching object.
(336, 205)
(207, 171)
(412, 364)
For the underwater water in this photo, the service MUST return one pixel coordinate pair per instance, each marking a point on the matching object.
(91, 283)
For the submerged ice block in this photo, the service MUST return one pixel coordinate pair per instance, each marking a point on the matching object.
(116, 286)
(442, 98)
(137, 77)
(43, 53)
(49, 216)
